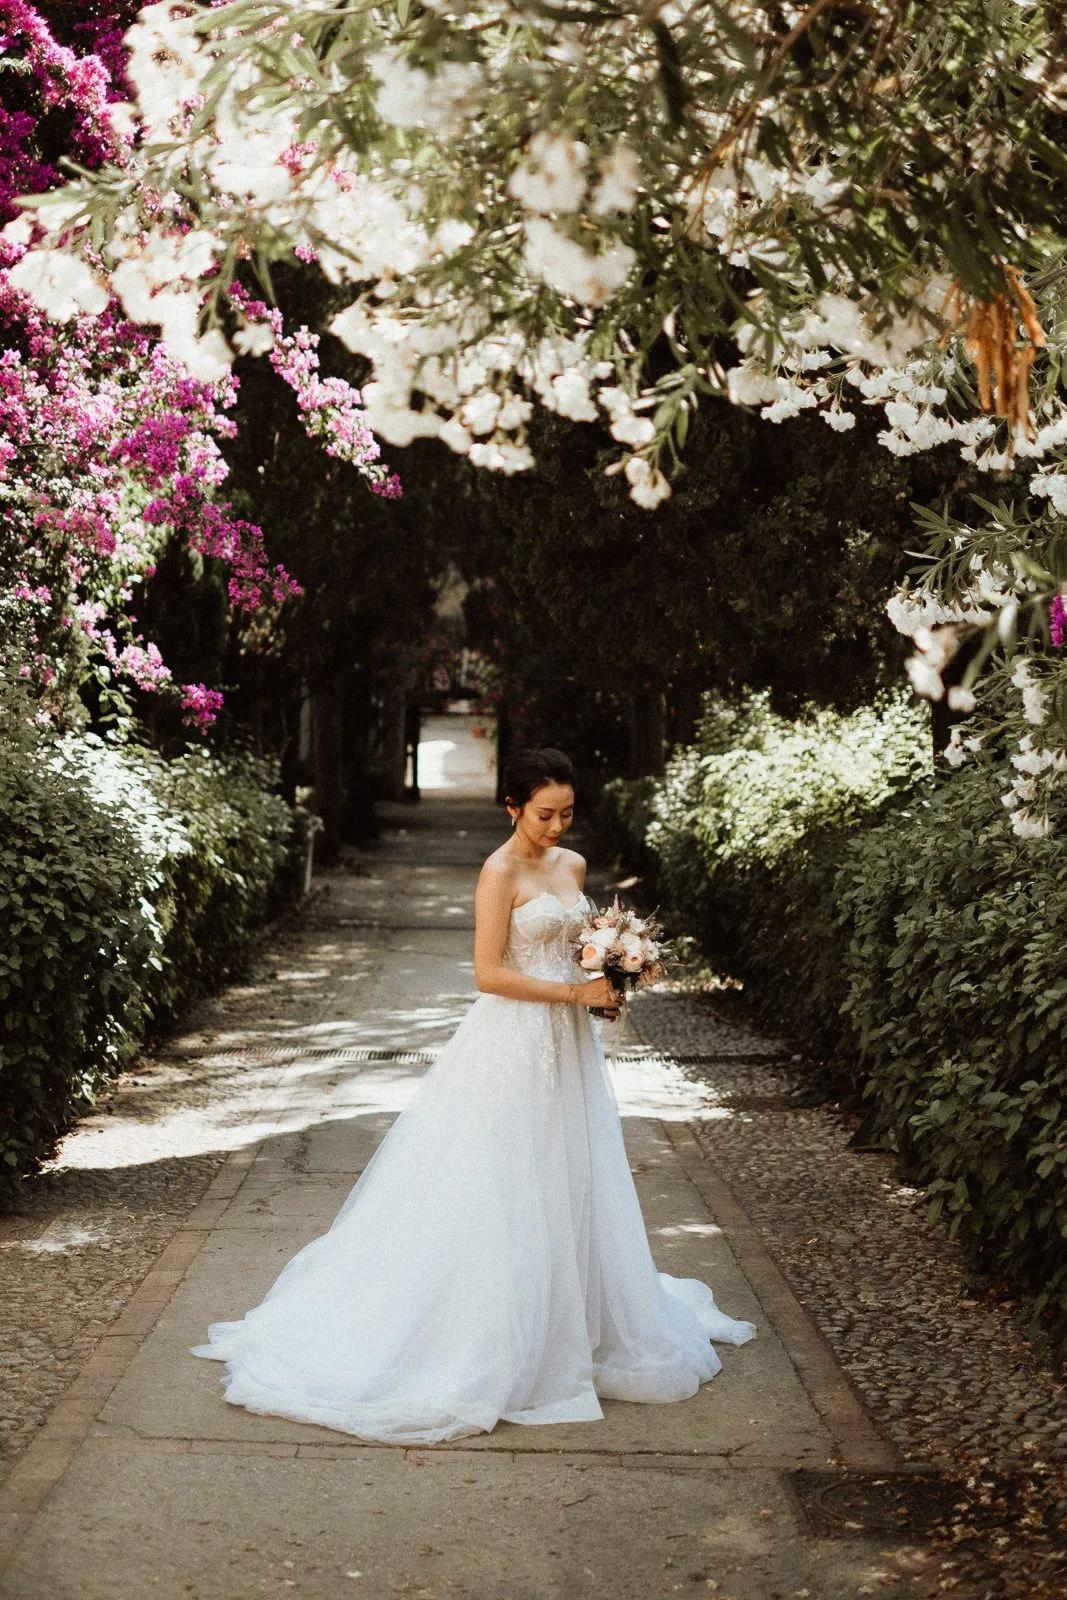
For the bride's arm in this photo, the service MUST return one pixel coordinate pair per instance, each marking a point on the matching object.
(492, 919)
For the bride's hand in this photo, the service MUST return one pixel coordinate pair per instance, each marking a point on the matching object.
(600, 992)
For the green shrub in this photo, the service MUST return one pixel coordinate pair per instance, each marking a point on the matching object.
(951, 933)
(900, 928)
(216, 840)
(78, 942)
(127, 884)
(748, 825)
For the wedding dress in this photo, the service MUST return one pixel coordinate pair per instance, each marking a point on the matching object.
(491, 1262)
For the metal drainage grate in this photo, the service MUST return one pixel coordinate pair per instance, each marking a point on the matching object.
(425, 1058)
(317, 1052)
(708, 1058)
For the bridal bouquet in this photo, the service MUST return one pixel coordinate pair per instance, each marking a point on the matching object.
(620, 945)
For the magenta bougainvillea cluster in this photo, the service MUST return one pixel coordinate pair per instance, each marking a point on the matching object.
(83, 85)
(330, 408)
(108, 447)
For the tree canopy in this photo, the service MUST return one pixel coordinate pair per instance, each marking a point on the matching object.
(616, 213)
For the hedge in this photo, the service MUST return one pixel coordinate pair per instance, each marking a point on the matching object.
(127, 884)
(897, 927)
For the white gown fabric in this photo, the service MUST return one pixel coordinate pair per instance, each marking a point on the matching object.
(491, 1262)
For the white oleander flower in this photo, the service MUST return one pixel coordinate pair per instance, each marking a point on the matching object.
(514, 411)
(749, 385)
(255, 339)
(954, 752)
(634, 431)
(388, 415)
(1052, 485)
(1026, 826)
(61, 284)
(409, 97)
(480, 413)
(912, 610)
(1035, 708)
(575, 273)
(500, 455)
(456, 436)
(1031, 761)
(19, 231)
(791, 402)
(262, 181)
(207, 358)
(925, 679)
(648, 486)
(551, 175)
(620, 177)
(570, 391)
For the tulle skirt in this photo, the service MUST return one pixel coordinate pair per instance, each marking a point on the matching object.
(490, 1263)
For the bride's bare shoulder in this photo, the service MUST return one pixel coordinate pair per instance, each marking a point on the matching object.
(498, 870)
(575, 861)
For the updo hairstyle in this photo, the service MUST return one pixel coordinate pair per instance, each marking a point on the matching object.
(529, 770)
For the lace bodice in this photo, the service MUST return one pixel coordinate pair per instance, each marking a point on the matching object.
(541, 937)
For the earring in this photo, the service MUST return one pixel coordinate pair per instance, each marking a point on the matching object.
(514, 818)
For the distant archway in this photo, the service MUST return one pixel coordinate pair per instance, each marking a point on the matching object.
(457, 755)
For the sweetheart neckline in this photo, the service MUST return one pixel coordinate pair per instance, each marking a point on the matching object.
(547, 894)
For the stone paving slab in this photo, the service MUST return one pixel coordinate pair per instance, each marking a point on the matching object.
(166, 1393)
(217, 1524)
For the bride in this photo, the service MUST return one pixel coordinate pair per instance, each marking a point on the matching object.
(491, 1262)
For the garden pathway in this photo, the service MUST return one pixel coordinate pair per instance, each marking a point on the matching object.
(140, 1481)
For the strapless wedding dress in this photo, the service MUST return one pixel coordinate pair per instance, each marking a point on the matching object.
(491, 1262)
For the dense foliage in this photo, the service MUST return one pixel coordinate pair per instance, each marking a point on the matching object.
(764, 569)
(613, 214)
(893, 925)
(955, 998)
(748, 826)
(126, 884)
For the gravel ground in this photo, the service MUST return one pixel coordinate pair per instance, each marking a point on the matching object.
(69, 1260)
(939, 1358)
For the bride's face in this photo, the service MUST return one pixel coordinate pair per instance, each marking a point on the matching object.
(547, 815)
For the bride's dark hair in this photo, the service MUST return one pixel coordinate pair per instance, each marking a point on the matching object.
(529, 770)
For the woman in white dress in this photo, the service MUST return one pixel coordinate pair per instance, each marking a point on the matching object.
(491, 1262)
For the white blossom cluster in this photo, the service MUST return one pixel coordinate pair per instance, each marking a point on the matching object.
(1039, 767)
(365, 216)
(363, 226)
(1038, 772)
(447, 162)
(728, 205)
